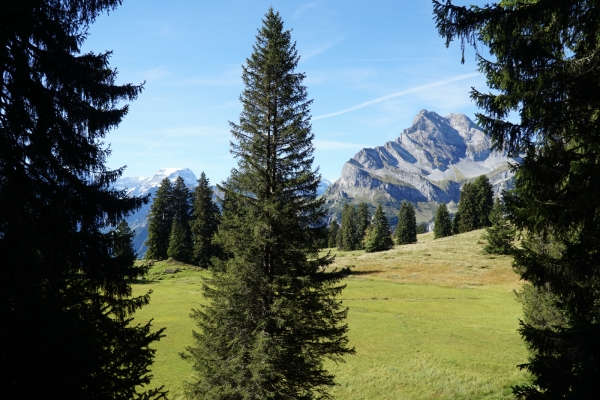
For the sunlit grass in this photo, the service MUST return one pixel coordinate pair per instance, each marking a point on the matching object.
(433, 320)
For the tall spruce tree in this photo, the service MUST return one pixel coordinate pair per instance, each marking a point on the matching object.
(334, 228)
(500, 235)
(180, 239)
(204, 224)
(442, 225)
(272, 315)
(406, 231)
(123, 241)
(180, 246)
(351, 239)
(363, 220)
(66, 304)
(466, 219)
(160, 222)
(546, 58)
(484, 198)
(474, 207)
(379, 235)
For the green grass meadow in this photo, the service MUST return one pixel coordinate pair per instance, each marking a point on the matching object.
(433, 320)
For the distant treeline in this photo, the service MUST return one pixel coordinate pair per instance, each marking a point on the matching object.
(182, 224)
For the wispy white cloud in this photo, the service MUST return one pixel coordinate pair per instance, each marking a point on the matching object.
(214, 134)
(303, 8)
(398, 94)
(321, 144)
(310, 52)
(228, 77)
(154, 145)
(155, 73)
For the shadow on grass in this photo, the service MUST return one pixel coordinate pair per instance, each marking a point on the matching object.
(374, 271)
(141, 281)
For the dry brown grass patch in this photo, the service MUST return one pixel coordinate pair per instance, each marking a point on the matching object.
(456, 261)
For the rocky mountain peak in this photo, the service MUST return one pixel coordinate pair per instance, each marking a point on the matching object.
(428, 162)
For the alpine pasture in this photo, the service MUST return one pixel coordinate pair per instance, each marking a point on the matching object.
(433, 320)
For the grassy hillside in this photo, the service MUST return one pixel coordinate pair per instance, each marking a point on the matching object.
(433, 320)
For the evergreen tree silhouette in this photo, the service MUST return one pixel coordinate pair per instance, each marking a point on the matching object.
(204, 224)
(66, 304)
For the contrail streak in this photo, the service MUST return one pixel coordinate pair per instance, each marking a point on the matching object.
(398, 94)
(154, 145)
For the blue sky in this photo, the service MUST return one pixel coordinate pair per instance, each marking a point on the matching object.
(370, 67)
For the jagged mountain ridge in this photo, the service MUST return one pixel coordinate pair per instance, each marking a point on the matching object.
(427, 164)
(142, 186)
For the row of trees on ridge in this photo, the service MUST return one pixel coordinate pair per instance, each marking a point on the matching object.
(474, 209)
(360, 231)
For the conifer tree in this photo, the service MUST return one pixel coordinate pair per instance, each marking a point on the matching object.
(363, 217)
(160, 222)
(181, 202)
(544, 69)
(379, 235)
(339, 239)
(484, 198)
(180, 239)
(180, 247)
(442, 226)
(350, 233)
(466, 218)
(66, 304)
(500, 235)
(204, 224)
(475, 205)
(123, 241)
(272, 315)
(406, 231)
(421, 228)
(334, 227)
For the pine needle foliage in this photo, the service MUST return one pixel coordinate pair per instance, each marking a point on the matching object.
(363, 217)
(66, 304)
(474, 207)
(123, 241)
(422, 228)
(180, 240)
(379, 235)
(160, 222)
(501, 234)
(180, 246)
(350, 235)
(204, 224)
(406, 231)
(272, 316)
(334, 227)
(442, 225)
(545, 58)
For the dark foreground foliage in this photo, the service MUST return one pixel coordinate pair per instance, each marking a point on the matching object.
(65, 302)
(545, 58)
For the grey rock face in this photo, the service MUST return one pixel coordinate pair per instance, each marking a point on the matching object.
(427, 163)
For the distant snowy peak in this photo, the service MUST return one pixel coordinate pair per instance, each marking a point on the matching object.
(139, 186)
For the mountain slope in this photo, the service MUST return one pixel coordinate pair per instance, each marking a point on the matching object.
(426, 165)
